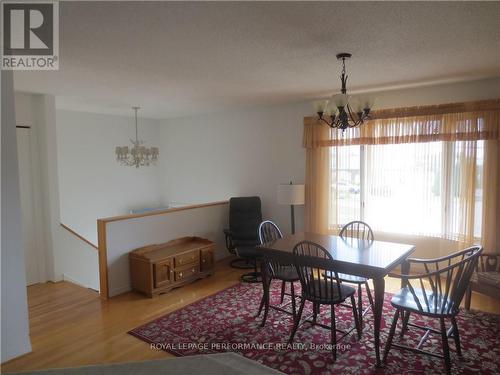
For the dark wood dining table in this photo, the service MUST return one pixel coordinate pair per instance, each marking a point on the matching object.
(370, 259)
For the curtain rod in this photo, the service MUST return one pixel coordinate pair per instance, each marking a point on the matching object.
(426, 110)
(440, 109)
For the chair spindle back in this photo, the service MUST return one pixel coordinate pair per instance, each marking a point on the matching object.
(319, 281)
(268, 232)
(357, 229)
(489, 263)
(448, 278)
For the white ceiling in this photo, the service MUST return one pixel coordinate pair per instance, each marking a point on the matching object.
(184, 58)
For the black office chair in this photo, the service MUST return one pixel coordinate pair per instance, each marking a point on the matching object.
(242, 237)
(448, 278)
(268, 232)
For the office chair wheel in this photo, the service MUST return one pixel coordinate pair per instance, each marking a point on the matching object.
(241, 263)
(251, 277)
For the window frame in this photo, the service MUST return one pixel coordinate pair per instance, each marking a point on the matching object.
(448, 155)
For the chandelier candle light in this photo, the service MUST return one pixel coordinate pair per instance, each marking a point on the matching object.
(343, 111)
(139, 155)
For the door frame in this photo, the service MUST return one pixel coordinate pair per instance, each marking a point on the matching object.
(39, 236)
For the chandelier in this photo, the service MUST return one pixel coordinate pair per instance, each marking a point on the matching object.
(138, 155)
(343, 111)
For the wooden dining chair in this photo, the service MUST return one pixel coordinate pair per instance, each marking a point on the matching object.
(448, 278)
(357, 229)
(486, 278)
(321, 286)
(361, 231)
(268, 232)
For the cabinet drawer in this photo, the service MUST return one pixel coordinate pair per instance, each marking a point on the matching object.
(206, 259)
(186, 272)
(162, 273)
(186, 258)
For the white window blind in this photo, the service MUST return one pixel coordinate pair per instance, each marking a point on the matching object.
(412, 188)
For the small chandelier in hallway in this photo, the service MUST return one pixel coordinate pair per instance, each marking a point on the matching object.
(138, 155)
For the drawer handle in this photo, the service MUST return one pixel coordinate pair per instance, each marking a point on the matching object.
(204, 261)
(180, 274)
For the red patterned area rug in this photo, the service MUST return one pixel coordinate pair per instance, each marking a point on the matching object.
(226, 321)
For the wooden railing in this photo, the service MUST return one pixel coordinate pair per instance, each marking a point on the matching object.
(160, 212)
(102, 236)
(79, 236)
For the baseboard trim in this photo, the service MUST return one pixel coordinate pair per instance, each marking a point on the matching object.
(120, 290)
(16, 358)
(65, 277)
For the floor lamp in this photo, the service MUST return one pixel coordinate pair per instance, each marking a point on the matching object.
(292, 195)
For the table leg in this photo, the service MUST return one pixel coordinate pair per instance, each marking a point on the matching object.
(265, 286)
(379, 289)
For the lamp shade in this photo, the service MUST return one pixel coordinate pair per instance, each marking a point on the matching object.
(291, 194)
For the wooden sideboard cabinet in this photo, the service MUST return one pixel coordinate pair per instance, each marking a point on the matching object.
(157, 269)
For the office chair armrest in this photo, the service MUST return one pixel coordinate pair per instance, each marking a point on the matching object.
(229, 242)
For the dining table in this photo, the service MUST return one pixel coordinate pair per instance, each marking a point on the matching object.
(352, 256)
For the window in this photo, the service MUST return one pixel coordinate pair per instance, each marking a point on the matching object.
(412, 188)
(346, 183)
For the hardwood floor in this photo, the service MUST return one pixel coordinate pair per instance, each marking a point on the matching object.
(71, 326)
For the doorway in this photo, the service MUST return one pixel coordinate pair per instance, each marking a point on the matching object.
(33, 252)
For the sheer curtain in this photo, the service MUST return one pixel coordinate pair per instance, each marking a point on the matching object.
(345, 189)
(426, 170)
(460, 194)
(464, 122)
(318, 179)
(490, 228)
(403, 188)
(430, 189)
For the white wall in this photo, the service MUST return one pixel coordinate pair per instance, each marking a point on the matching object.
(440, 94)
(76, 261)
(91, 182)
(44, 115)
(30, 112)
(251, 151)
(127, 235)
(63, 255)
(248, 152)
(14, 309)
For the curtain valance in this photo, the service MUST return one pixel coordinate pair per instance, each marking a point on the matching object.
(450, 122)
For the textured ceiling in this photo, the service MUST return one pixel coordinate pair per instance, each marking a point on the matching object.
(184, 58)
